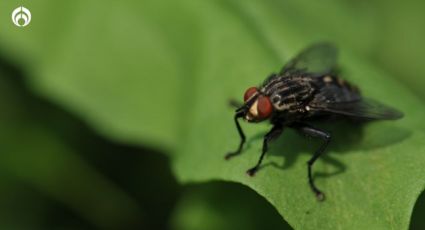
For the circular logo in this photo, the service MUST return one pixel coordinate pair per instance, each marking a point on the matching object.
(21, 16)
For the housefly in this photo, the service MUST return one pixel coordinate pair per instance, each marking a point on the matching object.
(306, 89)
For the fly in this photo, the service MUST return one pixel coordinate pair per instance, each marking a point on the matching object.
(307, 88)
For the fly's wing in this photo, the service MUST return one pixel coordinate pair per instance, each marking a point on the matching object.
(365, 109)
(343, 101)
(317, 60)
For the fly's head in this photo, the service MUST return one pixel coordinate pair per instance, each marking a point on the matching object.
(257, 106)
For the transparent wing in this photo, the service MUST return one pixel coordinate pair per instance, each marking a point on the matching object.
(317, 60)
(334, 93)
(366, 109)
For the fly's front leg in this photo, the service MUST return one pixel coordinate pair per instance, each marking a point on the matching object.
(273, 133)
(241, 134)
(316, 133)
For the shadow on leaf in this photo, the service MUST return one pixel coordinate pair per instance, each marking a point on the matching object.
(347, 137)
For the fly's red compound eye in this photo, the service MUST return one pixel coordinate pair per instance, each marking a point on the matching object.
(264, 107)
(249, 92)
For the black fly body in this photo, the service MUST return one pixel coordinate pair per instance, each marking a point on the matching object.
(308, 87)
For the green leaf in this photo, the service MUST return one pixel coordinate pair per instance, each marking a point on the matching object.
(120, 66)
(224, 206)
(400, 49)
(371, 176)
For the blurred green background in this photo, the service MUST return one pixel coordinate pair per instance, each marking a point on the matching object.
(95, 98)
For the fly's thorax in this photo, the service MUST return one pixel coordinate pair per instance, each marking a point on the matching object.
(287, 94)
(282, 104)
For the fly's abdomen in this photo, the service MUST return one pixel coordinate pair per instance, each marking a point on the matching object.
(335, 89)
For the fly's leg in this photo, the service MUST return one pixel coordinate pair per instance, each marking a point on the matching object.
(235, 104)
(241, 134)
(273, 133)
(326, 137)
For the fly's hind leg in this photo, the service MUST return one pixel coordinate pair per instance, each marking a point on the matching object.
(316, 133)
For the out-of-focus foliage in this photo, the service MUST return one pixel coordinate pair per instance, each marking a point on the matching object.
(400, 47)
(32, 153)
(50, 162)
(158, 74)
(118, 67)
(224, 206)
(418, 221)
